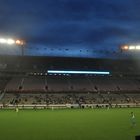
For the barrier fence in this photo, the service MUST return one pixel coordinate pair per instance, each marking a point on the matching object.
(62, 106)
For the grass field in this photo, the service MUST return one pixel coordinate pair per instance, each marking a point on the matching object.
(74, 124)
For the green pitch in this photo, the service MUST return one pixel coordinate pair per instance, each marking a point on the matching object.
(78, 124)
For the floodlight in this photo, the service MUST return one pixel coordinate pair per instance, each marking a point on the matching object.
(125, 47)
(3, 40)
(137, 47)
(18, 41)
(22, 42)
(132, 47)
(10, 41)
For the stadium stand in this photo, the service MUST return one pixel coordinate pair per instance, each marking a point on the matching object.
(33, 83)
(56, 83)
(13, 84)
(23, 83)
(62, 98)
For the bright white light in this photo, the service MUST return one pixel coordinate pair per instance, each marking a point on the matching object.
(132, 47)
(3, 41)
(78, 72)
(10, 41)
(137, 47)
(7, 41)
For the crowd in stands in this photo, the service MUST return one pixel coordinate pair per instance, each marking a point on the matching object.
(79, 98)
(29, 83)
(68, 89)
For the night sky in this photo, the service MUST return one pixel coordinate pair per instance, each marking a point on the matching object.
(75, 28)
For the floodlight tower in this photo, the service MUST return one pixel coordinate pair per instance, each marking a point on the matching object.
(21, 43)
(10, 41)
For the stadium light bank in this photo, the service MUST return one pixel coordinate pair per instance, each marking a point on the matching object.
(130, 47)
(10, 41)
(17, 42)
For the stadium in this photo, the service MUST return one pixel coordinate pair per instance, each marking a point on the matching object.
(69, 70)
(68, 98)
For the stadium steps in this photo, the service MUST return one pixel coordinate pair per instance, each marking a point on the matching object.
(2, 95)
(92, 85)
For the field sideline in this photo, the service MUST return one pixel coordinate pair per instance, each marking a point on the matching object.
(69, 124)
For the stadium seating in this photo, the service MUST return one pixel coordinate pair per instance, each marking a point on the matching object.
(33, 83)
(71, 84)
(65, 98)
(14, 84)
(57, 84)
(29, 83)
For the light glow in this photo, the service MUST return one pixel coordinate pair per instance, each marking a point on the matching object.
(137, 47)
(18, 41)
(3, 41)
(125, 47)
(78, 72)
(10, 41)
(132, 47)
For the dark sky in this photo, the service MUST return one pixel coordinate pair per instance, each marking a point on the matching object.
(75, 26)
